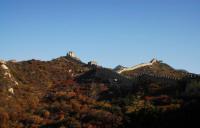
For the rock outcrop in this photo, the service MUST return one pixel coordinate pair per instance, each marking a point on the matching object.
(4, 67)
(6, 75)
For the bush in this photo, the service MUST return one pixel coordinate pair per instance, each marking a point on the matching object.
(45, 114)
(4, 118)
(193, 89)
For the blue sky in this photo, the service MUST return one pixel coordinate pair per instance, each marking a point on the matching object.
(111, 32)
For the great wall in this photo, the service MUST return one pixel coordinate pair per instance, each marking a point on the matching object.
(122, 69)
(138, 66)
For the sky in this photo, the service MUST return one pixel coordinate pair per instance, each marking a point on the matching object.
(112, 32)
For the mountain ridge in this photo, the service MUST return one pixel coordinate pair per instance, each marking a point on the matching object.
(155, 68)
(66, 92)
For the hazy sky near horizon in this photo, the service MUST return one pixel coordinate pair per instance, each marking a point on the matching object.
(112, 32)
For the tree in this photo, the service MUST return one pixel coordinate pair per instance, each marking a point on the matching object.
(4, 118)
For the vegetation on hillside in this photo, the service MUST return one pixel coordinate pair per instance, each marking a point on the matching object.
(66, 93)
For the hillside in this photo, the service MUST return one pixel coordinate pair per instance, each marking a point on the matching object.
(118, 86)
(46, 72)
(67, 93)
(155, 68)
